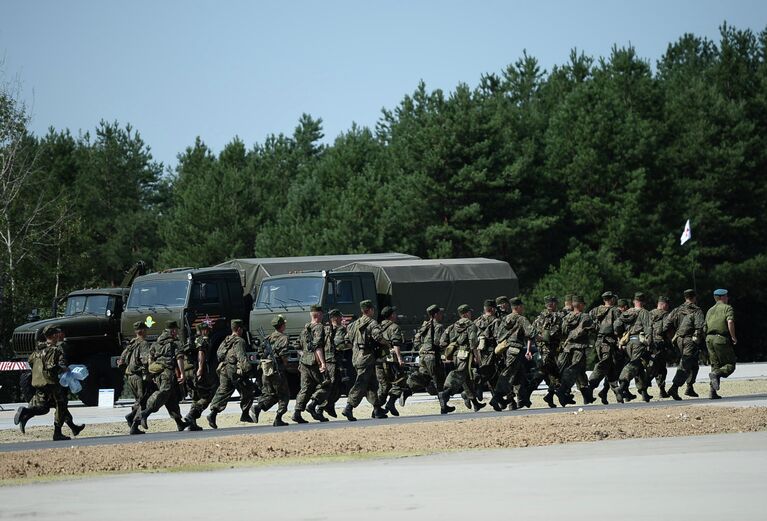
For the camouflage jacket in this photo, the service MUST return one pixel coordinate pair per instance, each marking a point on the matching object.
(312, 338)
(135, 357)
(604, 318)
(659, 325)
(636, 321)
(366, 338)
(514, 329)
(576, 328)
(548, 325)
(463, 333)
(391, 332)
(428, 336)
(165, 350)
(687, 320)
(335, 341)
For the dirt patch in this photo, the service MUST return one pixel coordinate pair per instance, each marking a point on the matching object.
(484, 432)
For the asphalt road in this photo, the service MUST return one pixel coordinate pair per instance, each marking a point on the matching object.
(703, 478)
(760, 399)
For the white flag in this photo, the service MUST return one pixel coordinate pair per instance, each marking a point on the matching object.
(686, 234)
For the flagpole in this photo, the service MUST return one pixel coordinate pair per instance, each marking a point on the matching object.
(694, 262)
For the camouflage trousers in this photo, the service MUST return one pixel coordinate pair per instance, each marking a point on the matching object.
(606, 365)
(333, 378)
(513, 374)
(688, 361)
(274, 389)
(655, 366)
(51, 395)
(636, 354)
(430, 371)
(459, 380)
(546, 368)
(229, 381)
(167, 392)
(721, 355)
(314, 386)
(391, 379)
(365, 386)
(201, 391)
(571, 362)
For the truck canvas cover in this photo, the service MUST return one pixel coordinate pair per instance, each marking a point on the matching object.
(413, 285)
(253, 271)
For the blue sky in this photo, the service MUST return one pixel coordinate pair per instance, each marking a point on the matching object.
(176, 70)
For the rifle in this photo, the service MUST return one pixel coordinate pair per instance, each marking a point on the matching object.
(268, 350)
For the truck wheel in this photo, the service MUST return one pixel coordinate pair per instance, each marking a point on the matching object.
(25, 386)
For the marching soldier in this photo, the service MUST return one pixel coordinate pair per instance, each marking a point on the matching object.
(135, 359)
(48, 362)
(502, 306)
(430, 368)
(314, 387)
(659, 352)
(487, 374)
(390, 365)
(688, 324)
(233, 374)
(366, 339)
(335, 345)
(198, 375)
(166, 367)
(571, 361)
(636, 326)
(274, 385)
(606, 345)
(548, 325)
(460, 342)
(513, 337)
(720, 340)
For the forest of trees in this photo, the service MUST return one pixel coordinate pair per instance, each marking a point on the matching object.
(581, 177)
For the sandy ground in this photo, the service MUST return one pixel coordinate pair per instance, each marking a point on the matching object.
(230, 419)
(484, 432)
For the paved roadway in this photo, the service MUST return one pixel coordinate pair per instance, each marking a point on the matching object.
(747, 401)
(703, 478)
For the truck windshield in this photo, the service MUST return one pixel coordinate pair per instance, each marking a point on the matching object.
(290, 291)
(171, 293)
(89, 305)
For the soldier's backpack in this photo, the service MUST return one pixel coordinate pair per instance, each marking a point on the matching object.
(223, 348)
(41, 361)
(604, 319)
(308, 356)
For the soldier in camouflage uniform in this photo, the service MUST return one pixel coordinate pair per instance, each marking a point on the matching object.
(513, 336)
(460, 342)
(48, 362)
(688, 324)
(197, 373)
(430, 372)
(659, 349)
(487, 374)
(636, 324)
(502, 306)
(366, 339)
(135, 359)
(720, 340)
(335, 346)
(571, 361)
(314, 386)
(166, 360)
(274, 384)
(233, 374)
(390, 364)
(548, 326)
(606, 345)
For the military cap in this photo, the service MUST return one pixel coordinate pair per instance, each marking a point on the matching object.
(577, 299)
(721, 292)
(139, 325)
(278, 321)
(315, 307)
(387, 311)
(639, 296)
(366, 304)
(516, 301)
(550, 298)
(623, 302)
(489, 303)
(203, 325)
(663, 298)
(568, 298)
(502, 300)
(464, 308)
(433, 309)
(236, 323)
(690, 293)
(608, 294)
(51, 330)
(171, 324)
(334, 313)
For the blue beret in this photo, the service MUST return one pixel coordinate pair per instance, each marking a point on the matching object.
(720, 292)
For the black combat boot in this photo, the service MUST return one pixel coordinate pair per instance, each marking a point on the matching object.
(603, 395)
(443, 398)
(57, 435)
(512, 404)
(563, 397)
(466, 401)
(713, 395)
(404, 396)
(134, 427)
(379, 413)
(624, 392)
(76, 429)
(297, 417)
(245, 416)
(645, 395)
(349, 413)
(212, 419)
(192, 422)
(662, 389)
(278, 420)
(571, 399)
(690, 391)
(23, 415)
(549, 398)
(331, 410)
(588, 395)
(713, 379)
(497, 402)
(390, 405)
(143, 417)
(130, 416)
(311, 408)
(673, 392)
(478, 406)
(180, 423)
(255, 411)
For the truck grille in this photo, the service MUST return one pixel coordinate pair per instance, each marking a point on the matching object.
(24, 343)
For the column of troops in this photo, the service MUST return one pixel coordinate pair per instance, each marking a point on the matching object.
(500, 351)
